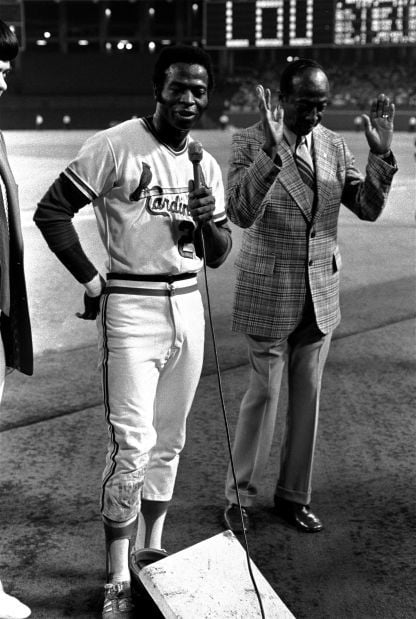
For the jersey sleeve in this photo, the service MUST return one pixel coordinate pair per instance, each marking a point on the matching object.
(90, 174)
(93, 171)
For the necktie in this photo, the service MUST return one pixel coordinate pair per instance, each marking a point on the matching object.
(304, 162)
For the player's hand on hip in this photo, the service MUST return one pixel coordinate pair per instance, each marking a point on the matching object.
(201, 204)
(271, 119)
(92, 296)
(378, 126)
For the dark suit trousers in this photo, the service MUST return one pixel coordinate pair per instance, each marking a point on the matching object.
(304, 352)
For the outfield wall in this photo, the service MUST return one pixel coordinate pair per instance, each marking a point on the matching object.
(98, 112)
(337, 120)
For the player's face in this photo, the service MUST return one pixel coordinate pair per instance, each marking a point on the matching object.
(4, 72)
(305, 105)
(184, 96)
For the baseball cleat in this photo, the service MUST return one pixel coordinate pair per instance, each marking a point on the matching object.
(118, 601)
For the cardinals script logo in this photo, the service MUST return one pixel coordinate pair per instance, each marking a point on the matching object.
(165, 201)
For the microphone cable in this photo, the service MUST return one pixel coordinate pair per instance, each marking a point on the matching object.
(227, 429)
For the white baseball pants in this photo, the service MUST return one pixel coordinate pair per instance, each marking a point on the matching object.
(151, 340)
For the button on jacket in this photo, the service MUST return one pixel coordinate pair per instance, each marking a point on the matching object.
(290, 245)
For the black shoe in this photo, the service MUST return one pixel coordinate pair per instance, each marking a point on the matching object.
(300, 516)
(138, 560)
(232, 518)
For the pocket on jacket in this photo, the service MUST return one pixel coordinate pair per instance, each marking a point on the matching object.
(260, 264)
(336, 261)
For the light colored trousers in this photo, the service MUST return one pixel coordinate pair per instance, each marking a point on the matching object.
(304, 353)
(151, 337)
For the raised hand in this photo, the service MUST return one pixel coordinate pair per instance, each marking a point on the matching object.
(378, 126)
(272, 119)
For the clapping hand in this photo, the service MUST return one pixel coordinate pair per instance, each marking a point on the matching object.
(378, 126)
(272, 119)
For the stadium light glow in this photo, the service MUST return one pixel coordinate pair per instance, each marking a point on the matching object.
(46, 35)
(151, 46)
(124, 44)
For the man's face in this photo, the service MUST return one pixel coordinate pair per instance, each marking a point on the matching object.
(184, 96)
(4, 71)
(305, 105)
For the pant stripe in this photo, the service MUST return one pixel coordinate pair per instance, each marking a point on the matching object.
(106, 397)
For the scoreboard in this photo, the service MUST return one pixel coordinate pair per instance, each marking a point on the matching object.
(299, 23)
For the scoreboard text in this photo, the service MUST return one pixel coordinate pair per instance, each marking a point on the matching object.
(298, 23)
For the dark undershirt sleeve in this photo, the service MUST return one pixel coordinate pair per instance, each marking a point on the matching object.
(53, 217)
(217, 246)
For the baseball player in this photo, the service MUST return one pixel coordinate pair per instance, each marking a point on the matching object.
(152, 220)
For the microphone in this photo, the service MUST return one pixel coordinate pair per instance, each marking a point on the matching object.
(195, 157)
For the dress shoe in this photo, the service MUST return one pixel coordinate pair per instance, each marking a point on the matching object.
(300, 516)
(232, 518)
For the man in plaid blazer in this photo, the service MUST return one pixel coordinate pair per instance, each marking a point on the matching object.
(288, 177)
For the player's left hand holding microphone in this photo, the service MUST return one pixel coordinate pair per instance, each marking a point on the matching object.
(92, 295)
(201, 204)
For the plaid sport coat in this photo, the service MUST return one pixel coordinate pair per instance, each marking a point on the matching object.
(287, 246)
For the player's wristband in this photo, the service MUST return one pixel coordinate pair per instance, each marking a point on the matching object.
(94, 287)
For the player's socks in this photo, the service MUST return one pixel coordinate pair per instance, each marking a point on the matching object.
(151, 520)
(118, 539)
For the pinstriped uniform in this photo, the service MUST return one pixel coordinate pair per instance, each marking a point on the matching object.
(287, 291)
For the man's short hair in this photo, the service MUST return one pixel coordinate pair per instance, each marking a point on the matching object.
(188, 54)
(9, 45)
(293, 69)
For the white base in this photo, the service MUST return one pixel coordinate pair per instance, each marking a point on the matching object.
(211, 580)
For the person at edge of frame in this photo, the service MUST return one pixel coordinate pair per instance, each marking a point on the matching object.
(153, 221)
(287, 179)
(16, 336)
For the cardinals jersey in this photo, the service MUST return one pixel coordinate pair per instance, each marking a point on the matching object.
(139, 189)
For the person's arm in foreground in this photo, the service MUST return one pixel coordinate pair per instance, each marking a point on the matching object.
(216, 237)
(53, 217)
